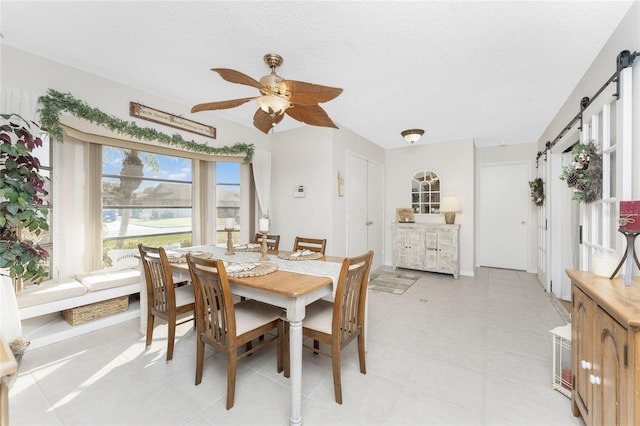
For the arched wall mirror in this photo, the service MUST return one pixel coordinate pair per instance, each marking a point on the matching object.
(425, 192)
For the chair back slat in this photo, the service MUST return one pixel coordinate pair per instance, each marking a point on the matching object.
(273, 241)
(215, 318)
(313, 244)
(160, 286)
(349, 304)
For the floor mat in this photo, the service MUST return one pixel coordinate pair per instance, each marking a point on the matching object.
(392, 282)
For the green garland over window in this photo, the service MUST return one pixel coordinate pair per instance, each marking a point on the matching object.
(55, 102)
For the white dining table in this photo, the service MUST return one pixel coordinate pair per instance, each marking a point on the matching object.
(295, 284)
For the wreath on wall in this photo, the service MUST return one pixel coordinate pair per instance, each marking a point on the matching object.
(584, 173)
(54, 102)
(537, 191)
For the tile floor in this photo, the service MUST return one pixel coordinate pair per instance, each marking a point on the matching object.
(473, 351)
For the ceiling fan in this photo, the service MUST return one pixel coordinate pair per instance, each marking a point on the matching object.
(299, 100)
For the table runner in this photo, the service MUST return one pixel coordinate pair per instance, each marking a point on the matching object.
(309, 267)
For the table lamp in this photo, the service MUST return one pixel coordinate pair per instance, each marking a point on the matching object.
(449, 206)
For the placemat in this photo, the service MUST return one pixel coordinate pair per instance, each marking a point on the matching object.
(313, 256)
(260, 269)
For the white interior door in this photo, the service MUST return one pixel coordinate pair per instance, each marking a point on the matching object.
(365, 218)
(503, 215)
(375, 210)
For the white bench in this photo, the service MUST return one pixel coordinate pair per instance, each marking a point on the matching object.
(40, 307)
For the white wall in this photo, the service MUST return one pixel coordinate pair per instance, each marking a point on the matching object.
(302, 157)
(23, 70)
(626, 37)
(312, 156)
(454, 163)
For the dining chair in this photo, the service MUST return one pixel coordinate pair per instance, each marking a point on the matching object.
(226, 327)
(337, 324)
(273, 241)
(312, 244)
(164, 299)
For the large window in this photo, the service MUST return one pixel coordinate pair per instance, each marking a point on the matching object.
(146, 199)
(227, 200)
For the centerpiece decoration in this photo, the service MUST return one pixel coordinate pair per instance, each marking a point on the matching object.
(584, 173)
(537, 191)
(263, 227)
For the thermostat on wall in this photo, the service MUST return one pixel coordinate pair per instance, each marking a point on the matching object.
(298, 191)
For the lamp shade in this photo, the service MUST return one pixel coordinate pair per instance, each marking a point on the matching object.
(273, 104)
(449, 203)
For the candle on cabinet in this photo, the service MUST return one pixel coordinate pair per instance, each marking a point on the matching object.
(264, 225)
(603, 265)
(228, 223)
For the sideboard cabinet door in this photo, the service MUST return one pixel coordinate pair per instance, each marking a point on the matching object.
(605, 340)
(426, 247)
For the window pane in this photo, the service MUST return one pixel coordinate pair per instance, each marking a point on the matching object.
(146, 199)
(43, 153)
(612, 116)
(612, 175)
(613, 226)
(227, 200)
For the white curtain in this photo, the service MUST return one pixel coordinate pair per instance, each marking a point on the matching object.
(19, 101)
(262, 179)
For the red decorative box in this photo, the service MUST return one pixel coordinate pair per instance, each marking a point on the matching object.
(629, 216)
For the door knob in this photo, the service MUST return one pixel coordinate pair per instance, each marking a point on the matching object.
(369, 222)
(522, 223)
(585, 365)
(595, 380)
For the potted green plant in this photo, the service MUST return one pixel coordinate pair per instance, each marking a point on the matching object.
(23, 215)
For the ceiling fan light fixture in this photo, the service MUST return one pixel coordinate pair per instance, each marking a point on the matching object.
(412, 135)
(273, 104)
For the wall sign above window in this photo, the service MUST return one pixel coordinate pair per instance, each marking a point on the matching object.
(151, 114)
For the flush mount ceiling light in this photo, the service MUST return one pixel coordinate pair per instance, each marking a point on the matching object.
(412, 135)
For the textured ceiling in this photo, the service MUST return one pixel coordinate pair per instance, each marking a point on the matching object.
(496, 72)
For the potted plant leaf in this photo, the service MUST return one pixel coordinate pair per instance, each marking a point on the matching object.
(23, 215)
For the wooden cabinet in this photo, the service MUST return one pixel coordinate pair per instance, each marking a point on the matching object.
(427, 247)
(605, 345)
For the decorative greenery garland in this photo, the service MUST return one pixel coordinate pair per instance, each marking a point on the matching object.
(537, 191)
(55, 102)
(584, 173)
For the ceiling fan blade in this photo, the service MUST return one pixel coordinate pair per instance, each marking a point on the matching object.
(221, 105)
(309, 93)
(264, 121)
(310, 114)
(234, 76)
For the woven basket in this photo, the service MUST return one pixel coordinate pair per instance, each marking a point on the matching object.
(94, 311)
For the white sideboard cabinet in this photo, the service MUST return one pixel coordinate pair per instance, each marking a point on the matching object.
(427, 247)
